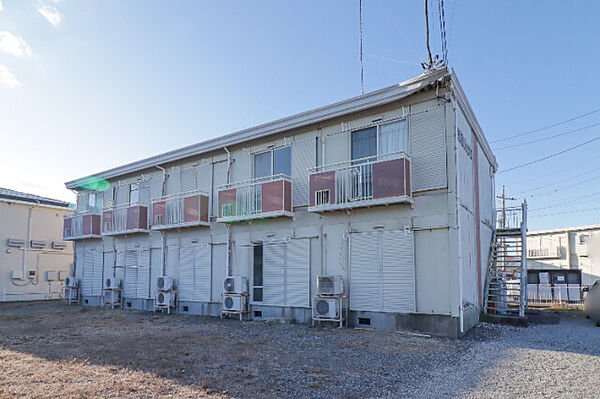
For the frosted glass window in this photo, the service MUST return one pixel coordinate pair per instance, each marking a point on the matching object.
(393, 137)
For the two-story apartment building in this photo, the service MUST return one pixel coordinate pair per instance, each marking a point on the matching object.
(34, 259)
(393, 190)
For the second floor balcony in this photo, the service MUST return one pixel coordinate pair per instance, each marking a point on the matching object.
(82, 225)
(378, 180)
(180, 210)
(125, 219)
(264, 197)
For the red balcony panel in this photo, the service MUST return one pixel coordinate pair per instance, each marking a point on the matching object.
(226, 197)
(87, 224)
(191, 206)
(203, 208)
(137, 217)
(272, 196)
(389, 178)
(96, 220)
(107, 224)
(407, 176)
(67, 228)
(159, 209)
(287, 199)
(322, 181)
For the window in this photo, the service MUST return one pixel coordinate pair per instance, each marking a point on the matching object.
(257, 275)
(322, 197)
(379, 140)
(273, 162)
(92, 200)
(134, 193)
(583, 239)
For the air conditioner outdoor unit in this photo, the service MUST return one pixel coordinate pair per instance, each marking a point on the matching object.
(330, 285)
(70, 282)
(164, 283)
(235, 303)
(326, 308)
(165, 298)
(236, 285)
(111, 283)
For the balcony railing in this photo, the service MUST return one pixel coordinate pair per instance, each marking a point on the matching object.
(544, 253)
(125, 219)
(82, 225)
(180, 210)
(264, 197)
(511, 218)
(379, 180)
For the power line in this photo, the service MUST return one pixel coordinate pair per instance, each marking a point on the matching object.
(443, 31)
(548, 138)
(546, 127)
(393, 23)
(567, 212)
(391, 59)
(567, 203)
(551, 192)
(550, 156)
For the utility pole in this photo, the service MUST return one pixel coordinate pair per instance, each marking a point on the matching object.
(503, 198)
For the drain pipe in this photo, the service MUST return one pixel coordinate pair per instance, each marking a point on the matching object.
(163, 238)
(229, 161)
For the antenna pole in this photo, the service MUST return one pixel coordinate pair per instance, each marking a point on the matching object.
(362, 82)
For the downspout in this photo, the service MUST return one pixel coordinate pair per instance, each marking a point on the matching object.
(163, 238)
(228, 258)
(25, 248)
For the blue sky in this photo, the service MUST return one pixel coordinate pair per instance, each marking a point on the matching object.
(86, 86)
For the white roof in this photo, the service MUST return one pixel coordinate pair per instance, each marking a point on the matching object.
(355, 104)
(564, 230)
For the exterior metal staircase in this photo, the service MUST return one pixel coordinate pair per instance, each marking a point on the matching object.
(506, 278)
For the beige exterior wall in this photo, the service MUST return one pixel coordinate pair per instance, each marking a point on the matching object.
(46, 225)
(575, 248)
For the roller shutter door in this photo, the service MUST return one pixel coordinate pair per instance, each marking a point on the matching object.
(428, 149)
(194, 272)
(91, 282)
(286, 273)
(137, 274)
(382, 276)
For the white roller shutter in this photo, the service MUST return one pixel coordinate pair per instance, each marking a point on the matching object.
(365, 272)
(298, 273)
(130, 284)
(143, 274)
(398, 271)
(87, 278)
(194, 272)
(382, 274)
(286, 273)
(98, 260)
(273, 273)
(189, 180)
(303, 158)
(428, 148)
(204, 177)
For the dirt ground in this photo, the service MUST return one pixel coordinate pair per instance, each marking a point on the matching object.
(51, 350)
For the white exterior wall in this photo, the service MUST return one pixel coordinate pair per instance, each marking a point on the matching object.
(431, 222)
(46, 225)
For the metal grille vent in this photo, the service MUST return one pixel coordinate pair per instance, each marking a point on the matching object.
(229, 285)
(322, 307)
(322, 197)
(160, 283)
(228, 303)
(161, 298)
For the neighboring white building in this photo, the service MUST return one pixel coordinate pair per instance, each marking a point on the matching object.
(34, 259)
(393, 190)
(569, 255)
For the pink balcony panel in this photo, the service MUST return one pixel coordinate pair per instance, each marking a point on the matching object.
(195, 209)
(226, 197)
(391, 178)
(322, 181)
(137, 217)
(159, 212)
(276, 196)
(91, 224)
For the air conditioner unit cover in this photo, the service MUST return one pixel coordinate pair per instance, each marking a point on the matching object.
(326, 307)
(330, 285)
(164, 283)
(236, 285)
(235, 303)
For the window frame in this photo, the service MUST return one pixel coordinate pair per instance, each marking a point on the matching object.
(131, 190)
(378, 125)
(272, 152)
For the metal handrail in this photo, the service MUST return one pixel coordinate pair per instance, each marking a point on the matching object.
(82, 213)
(183, 194)
(359, 161)
(257, 180)
(123, 206)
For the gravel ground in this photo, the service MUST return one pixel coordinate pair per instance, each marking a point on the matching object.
(48, 349)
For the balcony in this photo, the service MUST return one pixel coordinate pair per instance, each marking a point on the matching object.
(125, 219)
(265, 197)
(180, 210)
(371, 181)
(80, 226)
